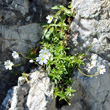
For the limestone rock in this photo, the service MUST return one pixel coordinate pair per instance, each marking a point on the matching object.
(91, 26)
(84, 8)
(36, 94)
(21, 38)
(21, 5)
(86, 31)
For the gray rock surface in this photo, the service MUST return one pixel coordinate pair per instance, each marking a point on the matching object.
(21, 38)
(21, 12)
(15, 38)
(36, 94)
(84, 8)
(91, 25)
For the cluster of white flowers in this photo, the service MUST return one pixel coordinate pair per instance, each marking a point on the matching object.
(8, 64)
(49, 18)
(44, 56)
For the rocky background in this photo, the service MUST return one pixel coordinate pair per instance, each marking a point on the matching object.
(20, 30)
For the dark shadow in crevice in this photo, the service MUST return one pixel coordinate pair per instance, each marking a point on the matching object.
(60, 103)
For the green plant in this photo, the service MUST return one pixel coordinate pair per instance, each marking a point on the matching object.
(55, 40)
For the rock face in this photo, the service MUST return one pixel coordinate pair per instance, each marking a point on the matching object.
(21, 38)
(17, 38)
(20, 30)
(91, 26)
(36, 94)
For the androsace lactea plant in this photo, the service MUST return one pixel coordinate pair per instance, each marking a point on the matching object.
(54, 57)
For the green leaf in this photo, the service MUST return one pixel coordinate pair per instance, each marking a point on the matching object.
(58, 13)
(62, 8)
(63, 17)
(70, 5)
(25, 76)
(48, 34)
(67, 11)
(44, 32)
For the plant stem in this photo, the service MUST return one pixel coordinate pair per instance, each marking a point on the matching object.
(88, 49)
(87, 74)
(24, 56)
(18, 65)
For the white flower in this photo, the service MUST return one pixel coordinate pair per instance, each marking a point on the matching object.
(45, 52)
(102, 69)
(31, 61)
(15, 55)
(95, 40)
(41, 59)
(49, 18)
(8, 64)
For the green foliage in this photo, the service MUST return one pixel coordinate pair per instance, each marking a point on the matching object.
(61, 67)
(25, 76)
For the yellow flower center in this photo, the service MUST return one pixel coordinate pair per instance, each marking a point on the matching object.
(9, 64)
(42, 58)
(100, 69)
(45, 53)
(50, 18)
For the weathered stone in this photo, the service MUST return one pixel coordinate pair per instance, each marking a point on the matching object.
(21, 81)
(12, 40)
(84, 8)
(85, 32)
(91, 26)
(21, 5)
(21, 38)
(38, 90)
(7, 100)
